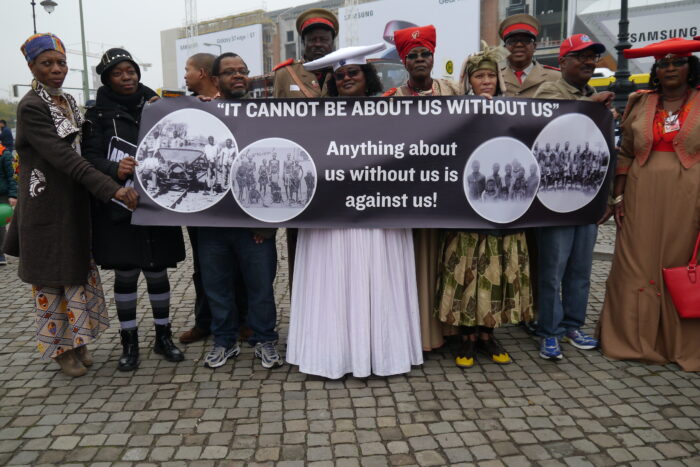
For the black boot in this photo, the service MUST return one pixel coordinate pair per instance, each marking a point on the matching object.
(129, 361)
(164, 344)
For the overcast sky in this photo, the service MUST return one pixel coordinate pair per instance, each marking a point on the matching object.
(132, 24)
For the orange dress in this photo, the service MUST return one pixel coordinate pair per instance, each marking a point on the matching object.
(662, 217)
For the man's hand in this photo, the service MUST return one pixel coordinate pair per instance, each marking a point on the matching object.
(13, 202)
(609, 211)
(604, 98)
(126, 168)
(205, 98)
(128, 196)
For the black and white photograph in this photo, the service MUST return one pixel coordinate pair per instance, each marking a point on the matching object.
(273, 180)
(501, 179)
(573, 164)
(185, 161)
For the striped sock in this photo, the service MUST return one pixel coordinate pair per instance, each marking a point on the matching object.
(159, 295)
(125, 287)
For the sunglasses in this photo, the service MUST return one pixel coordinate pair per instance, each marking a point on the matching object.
(351, 73)
(511, 41)
(676, 62)
(424, 54)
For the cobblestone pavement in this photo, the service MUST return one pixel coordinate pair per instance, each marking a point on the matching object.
(585, 410)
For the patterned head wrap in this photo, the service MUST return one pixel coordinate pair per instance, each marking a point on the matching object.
(38, 43)
(410, 38)
(488, 59)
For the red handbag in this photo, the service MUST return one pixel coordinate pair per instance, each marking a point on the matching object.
(684, 286)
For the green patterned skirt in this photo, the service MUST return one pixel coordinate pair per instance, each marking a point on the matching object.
(483, 280)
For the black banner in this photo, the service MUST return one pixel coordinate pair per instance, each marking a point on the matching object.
(442, 162)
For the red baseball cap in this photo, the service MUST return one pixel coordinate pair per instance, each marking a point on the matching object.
(579, 42)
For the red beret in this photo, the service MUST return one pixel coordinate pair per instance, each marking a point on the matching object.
(677, 46)
(410, 38)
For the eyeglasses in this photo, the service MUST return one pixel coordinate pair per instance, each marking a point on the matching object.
(424, 54)
(582, 58)
(525, 40)
(676, 62)
(242, 72)
(351, 73)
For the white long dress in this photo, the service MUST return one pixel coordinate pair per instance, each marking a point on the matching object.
(354, 303)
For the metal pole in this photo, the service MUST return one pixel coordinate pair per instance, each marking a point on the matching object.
(86, 87)
(622, 87)
(34, 15)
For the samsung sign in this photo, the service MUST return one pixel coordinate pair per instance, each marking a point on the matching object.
(663, 34)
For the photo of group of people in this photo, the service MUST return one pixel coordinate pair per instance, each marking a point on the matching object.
(273, 179)
(573, 170)
(185, 161)
(501, 179)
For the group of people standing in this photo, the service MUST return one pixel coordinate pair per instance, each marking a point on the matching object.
(364, 301)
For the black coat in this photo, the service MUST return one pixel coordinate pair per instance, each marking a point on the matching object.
(116, 244)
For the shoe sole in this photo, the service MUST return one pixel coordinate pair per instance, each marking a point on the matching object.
(233, 354)
(551, 358)
(160, 351)
(579, 346)
(125, 369)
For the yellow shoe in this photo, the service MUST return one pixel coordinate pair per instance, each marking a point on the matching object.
(466, 355)
(493, 349)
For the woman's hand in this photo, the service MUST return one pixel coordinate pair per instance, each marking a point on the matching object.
(619, 213)
(128, 196)
(126, 168)
(604, 97)
(12, 201)
(486, 95)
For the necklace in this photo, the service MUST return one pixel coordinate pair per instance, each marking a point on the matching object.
(420, 92)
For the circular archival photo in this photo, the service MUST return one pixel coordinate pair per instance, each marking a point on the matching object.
(573, 157)
(185, 161)
(273, 179)
(501, 179)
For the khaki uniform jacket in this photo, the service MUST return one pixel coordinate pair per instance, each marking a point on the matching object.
(286, 86)
(536, 78)
(560, 89)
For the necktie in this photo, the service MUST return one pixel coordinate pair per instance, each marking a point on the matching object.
(519, 74)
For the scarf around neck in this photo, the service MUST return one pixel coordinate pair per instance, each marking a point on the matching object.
(67, 121)
(132, 103)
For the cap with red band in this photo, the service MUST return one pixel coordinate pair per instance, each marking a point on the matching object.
(519, 24)
(579, 42)
(677, 46)
(410, 38)
(317, 17)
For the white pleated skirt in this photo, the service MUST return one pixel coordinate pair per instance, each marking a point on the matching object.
(354, 303)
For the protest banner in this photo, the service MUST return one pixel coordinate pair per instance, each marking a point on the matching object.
(442, 162)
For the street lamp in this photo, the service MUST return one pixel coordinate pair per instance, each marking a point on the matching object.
(49, 6)
(622, 87)
(214, 45)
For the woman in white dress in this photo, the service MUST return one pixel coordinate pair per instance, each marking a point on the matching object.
(354, 295)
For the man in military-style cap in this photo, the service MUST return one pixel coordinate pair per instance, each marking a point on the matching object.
(318, 29)
(521, 73)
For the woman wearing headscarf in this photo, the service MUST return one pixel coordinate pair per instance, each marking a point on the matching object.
(50, 231)
(416, 47)
(354, 300)
(129, 249)
(657, 211)
(484, 276)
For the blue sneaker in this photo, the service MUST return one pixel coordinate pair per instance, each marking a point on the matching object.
(580, 340)
(549, 350)
(267, 353)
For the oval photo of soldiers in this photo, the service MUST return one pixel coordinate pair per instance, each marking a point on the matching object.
(185, 161)
(273, 179)
(574, 166)
(501, 179)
